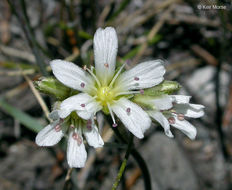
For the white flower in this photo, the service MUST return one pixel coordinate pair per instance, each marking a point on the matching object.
(172, 110)
(75, 127)
(105, 89)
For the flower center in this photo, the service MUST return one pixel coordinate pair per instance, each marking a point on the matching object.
(105, 95)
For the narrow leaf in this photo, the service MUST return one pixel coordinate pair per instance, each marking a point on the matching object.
(21, 116)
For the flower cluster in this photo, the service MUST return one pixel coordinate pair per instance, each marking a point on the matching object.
(130, 95)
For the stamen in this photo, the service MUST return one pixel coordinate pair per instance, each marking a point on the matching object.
(72, 126)
(112, 115)
(89, 121)
(171, 120)
(89, 127)
(89, 124)
(57, 128)
(82, 85)
(136, 78)
(116, 76)
(141, 91)
(93, 88)
(92, 98)
(128, 110)
(94, 76)
(106, 65)
(180, 117)
(75, 136)
(114, 125)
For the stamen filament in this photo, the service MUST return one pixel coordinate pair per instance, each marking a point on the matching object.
(93, 88)
(94, 76)
(111, 113)
(116, 76)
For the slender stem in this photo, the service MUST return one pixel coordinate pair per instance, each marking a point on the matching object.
(123, 165)
(140, 161)
(143, 166)
(219, 110)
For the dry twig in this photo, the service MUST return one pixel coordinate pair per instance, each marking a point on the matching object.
(204, 54)
(151, 35)
(12, 52)
(38, 97)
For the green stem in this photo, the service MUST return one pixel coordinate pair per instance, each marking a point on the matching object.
(140, 161)
(123, 165)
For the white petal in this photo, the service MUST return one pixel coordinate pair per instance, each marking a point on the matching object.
(71, 75)
(105, 52)
(186, 127)
(197, 106)
(48, 136)
(91, 109)
(190, 110)
(76, 153)
(83, 103)
(137, 121)
(180, 99)
(93, 137)
(162, 103)
(159, 117)
(144, 75)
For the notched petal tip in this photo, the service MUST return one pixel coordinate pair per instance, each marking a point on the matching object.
(105, 52)
(186, 127)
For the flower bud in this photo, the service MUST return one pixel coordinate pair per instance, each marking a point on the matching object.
(166, 87)
(52, 87)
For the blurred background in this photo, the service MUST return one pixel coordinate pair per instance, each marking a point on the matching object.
(193, 37)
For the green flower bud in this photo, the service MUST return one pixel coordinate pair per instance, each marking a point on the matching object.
(166, 87)
(144, 101)
(146, 98)
(52, 87)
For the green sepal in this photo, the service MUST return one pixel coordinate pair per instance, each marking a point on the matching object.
(166, 87)
(144, 101)
(105, 110)
(52, 87)
(128, 96)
